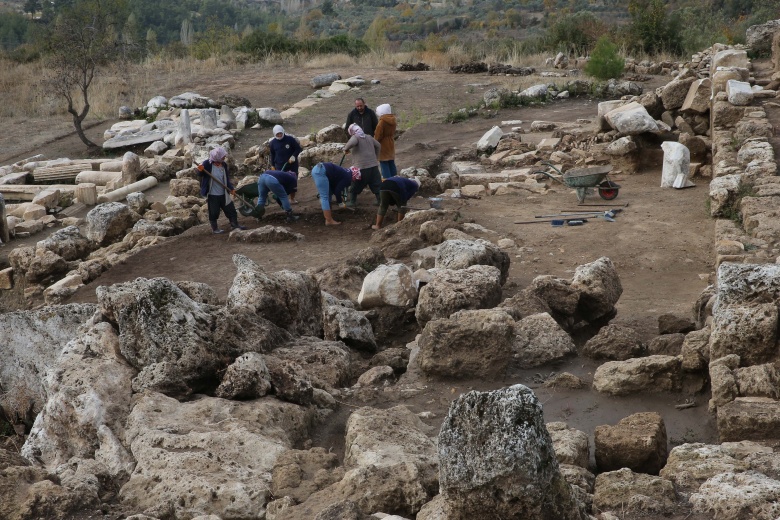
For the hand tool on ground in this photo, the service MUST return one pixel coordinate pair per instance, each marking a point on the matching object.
(609, 213)
(582, 220)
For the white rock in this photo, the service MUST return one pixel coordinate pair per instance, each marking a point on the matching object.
(391, 285)
(676, 168)
(490, 139)
(739, 92)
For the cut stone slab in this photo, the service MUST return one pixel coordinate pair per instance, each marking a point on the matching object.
(123, 141)
(749, 418)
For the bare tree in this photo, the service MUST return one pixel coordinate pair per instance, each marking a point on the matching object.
(82, 39)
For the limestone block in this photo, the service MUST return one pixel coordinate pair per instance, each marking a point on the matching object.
(33, 212)
(490, 139)
(49, 198)
(698, 98)
(388, 285)
(624, 490)
(648, 374)
(631, 119)
(571, 445)
(540, 340)
(738, 495)
(637, 442)
(7, 278)
(749, 418)
(739, 93)
(722, 76)
(614, 342)
(749, 331)
(730, 58)
(674, 93)
(323, 80)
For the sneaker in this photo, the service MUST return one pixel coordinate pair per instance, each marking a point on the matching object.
(217, 231)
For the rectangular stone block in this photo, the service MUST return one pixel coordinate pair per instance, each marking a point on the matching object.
(749, 418)
(7, 278)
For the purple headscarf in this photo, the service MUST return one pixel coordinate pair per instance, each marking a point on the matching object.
(356, 130)
(217, 154)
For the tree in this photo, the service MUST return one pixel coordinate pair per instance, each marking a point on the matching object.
(327, 8)
(83, 39)
(605, 62)
(651, 29)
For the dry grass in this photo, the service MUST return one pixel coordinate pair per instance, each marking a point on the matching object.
(326, 61)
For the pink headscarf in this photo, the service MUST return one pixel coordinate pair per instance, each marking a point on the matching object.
(356, 130)
(217, 154)
(355, 173)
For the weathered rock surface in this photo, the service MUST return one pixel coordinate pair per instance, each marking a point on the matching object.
(181, 451)
(289, 299)
(108, 222)
(637, 442)
(388, 285)
(614, 342)
(749, 418)
(246, 378)
(477, 287)
(176, 343)
(539, 340)
(600, 288)
(624, 490)
(476, 343)
(497, 459)
(648, 374)
(733, 496)
(32, 342)
(460, 254)
(571, 446)
(326, 363)
(748, 331)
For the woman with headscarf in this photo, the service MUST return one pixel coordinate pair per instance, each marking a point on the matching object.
(330, 180)
(396, 191)
(365, 157)
(284, 150)
(385, 134)
(215, 185)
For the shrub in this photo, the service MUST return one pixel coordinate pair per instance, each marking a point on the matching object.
(605, 62)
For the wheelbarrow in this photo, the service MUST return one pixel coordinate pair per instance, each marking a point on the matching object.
(584, 179)
(246, 194)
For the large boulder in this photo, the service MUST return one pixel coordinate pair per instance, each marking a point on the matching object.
(67, 243)
(733, 496)
(90, 386)
(289, 299)
(36, 265)
(599, 286)
(624, 490)
(388, 285)
(176, 343)
(648, 374)
(614, 342)
(460, 254)
(749, 418)
(478, 287)
(344, 323)
(759, 37)
(631, 119)
(403, 238)
(690, 465)
(697, 101)
(637, 442)
(475, 343)
(208, 456)
(108, 222)
(674, 93)
(323, 80)
(539, 340)
(32, 342)
(327, 364)
(557, 293)
(750, 331)
(497, 459)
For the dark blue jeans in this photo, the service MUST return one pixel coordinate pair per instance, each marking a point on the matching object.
(388, 169)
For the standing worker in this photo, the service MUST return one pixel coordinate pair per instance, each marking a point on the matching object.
(281, 184)
(366, 158)
(284, 150)
(362, 116)
(395, 191)
(215, 185)
(330, 179)
(385, 134)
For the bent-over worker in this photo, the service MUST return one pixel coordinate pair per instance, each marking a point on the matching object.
(395, 191)
(330, 179)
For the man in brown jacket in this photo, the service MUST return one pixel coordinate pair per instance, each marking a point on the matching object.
(385, 134)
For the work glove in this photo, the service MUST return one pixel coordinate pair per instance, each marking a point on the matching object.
(292, 160)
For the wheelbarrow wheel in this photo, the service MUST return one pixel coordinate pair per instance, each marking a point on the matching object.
(608, 190)
(246, 210)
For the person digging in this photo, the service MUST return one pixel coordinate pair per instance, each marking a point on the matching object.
(395, 191)
(282, 185)
(215, 185)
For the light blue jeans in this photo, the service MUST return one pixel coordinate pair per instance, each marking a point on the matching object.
(388, 168)
(323, 186)
(266, 183)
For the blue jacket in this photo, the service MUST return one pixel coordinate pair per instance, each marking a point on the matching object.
(406, 187)
(205, 179)
(339, 179)
(281, 151)
(288, 181)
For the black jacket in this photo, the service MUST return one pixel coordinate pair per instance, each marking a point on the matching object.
(367, 120)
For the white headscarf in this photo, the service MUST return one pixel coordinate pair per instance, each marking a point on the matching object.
(383, 110)
(356, 130)
(279, 129)
(217, 154)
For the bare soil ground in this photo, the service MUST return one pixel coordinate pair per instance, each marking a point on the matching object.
(661, 242)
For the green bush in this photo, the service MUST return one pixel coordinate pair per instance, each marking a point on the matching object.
(605, 62)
